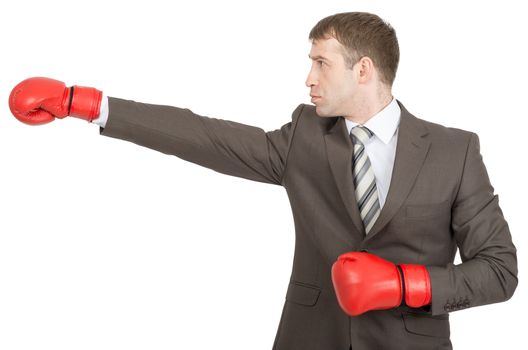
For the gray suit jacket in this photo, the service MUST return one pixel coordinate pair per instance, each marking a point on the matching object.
(440, 198)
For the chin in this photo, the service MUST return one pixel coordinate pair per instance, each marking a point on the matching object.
(322, 112)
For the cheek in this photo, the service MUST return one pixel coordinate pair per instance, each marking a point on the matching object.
(342, 89)
(347, 83)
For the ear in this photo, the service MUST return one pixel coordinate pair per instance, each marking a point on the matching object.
(365, 67)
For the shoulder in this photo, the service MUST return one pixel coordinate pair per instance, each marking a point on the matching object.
(309, 118)
(442, 134)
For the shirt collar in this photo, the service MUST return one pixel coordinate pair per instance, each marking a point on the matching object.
(384, 123)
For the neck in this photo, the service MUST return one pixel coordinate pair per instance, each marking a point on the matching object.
(366, 108)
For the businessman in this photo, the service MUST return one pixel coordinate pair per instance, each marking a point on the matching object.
(381, 199)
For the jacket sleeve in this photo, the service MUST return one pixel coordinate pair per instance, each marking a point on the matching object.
(224, 146)
(488, 272)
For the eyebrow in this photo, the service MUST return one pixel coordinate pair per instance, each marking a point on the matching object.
(317, 57)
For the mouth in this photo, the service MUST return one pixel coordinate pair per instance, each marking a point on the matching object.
(315, 98)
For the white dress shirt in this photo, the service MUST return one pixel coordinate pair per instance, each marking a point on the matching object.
(381, 147)
(103, 113)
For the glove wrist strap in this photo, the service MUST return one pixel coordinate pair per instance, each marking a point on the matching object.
(85, 102)
(416, 285)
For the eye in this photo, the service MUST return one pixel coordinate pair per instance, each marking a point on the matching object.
(320, 63)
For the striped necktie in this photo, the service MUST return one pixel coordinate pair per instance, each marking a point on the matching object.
(364, 179)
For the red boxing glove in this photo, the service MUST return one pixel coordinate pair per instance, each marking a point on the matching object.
(40, 100)
(363, 282)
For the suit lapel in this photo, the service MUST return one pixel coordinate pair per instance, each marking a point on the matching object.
(411, 150)
(339, 150)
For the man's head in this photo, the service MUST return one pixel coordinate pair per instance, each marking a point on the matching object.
(355, 57)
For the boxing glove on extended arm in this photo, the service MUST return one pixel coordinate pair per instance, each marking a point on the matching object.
(363, 282)
(40, 100)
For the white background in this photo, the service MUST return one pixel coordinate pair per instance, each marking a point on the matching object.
(108, 245)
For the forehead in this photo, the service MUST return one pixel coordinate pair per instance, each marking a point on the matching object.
(325, 48)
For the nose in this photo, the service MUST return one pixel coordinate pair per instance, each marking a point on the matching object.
(311, 79)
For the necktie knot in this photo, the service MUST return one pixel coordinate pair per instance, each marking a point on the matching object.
(361, 133)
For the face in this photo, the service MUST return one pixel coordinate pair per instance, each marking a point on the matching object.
(333, 85)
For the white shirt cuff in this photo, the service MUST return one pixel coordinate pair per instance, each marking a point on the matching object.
(103, 113)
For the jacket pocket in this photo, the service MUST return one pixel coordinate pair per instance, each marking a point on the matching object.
(303, 294)
(433, 326)
(427, 210)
